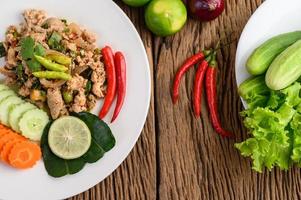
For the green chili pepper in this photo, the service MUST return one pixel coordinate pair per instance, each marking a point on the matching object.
(52, 75)
(68, 96)
(58, 57)
(48, 64)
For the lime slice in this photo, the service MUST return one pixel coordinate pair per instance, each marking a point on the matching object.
(69, 137)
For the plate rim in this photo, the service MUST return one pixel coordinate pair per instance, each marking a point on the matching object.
(140, 124)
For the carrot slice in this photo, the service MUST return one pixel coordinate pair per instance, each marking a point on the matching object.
(7, 148)
(4, 128)
(2, 133)
(24, 155)
(7, 137)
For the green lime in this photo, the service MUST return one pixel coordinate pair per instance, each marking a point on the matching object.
(136, 3)
(69, 137)
(165, 17)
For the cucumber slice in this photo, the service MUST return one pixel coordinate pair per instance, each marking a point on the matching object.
(5, 107)
(3, 87)
(6, 93)
(32, 124)
(16, 113)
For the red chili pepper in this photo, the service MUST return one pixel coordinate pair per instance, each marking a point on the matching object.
(108, 58)
(184, 68)
(212, 98)
(198, 85)
(120, 67)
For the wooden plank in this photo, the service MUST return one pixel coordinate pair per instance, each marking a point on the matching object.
(178, 156)
(195, 163)
(135, 179)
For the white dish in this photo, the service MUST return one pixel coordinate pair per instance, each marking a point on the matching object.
(113, 28)
(272, 18)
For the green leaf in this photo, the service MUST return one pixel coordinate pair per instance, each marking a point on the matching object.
(257, 100)
(88, 87)
(286, 114)
(54, 42)
(270, 145)
(20, 73)
(34, 65)
(75, 165)
(276, 99)
(39, 50)
(292, 94)
(94, 153)
(296, 129)
(27, 48)
(100, 131)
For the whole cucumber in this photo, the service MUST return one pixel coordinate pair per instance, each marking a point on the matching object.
(263, 56)
(285, 69)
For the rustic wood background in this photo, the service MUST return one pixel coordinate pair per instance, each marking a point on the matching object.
(177, 155)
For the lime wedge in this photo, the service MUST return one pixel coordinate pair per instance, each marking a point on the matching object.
(69, 137)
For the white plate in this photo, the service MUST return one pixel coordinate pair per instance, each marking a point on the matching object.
(115, 29)
(273, 17)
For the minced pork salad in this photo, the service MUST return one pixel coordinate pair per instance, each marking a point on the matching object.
(53, 63)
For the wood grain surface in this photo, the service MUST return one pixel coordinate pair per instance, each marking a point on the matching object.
(181, 157)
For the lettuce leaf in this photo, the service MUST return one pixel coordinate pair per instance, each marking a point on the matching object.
(296, 128)
(270, 139)
(274, 123)
(292, 94)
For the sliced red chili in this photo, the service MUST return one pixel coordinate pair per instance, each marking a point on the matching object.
(108, 58)
(120, 67)
(198, 85)
(212, 99)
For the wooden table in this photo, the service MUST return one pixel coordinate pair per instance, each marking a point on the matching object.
(179, 156)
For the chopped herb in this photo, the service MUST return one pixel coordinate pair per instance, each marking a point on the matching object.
(73, 54)
(33, 65)
(27, 48)
(16, 34)
(36, 84)
(55, 38)
(54, 42)
(66, 30)
(64, 21)
(20, 73)
(43, 93)
(88, 87)
(39, 50)
(97, 51)
(2, 50)
(45, 26)
(82, 52)
(87, 73)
